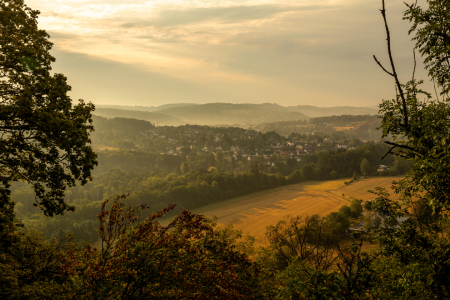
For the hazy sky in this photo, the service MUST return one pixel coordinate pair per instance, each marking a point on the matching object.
(299, 52)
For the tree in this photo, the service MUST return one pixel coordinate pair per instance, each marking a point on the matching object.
(419, 131)
(346, 210)
(308, 172)
(356, 208)
(185, 168)
(365, 167)
(44, 138)
(186, 259)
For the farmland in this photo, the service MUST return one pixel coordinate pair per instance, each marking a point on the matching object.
(253, 213)
(359, 189)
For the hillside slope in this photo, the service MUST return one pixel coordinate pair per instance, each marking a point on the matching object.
(232, 114)
(313, 111)
(153, 117)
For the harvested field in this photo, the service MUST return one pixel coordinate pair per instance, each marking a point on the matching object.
(343, 128)
(253, 213)
(359, 189)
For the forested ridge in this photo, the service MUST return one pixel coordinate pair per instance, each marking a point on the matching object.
(46, 157)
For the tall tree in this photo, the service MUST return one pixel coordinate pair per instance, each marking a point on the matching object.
(419, 129)
(44, 139)
(365, 167)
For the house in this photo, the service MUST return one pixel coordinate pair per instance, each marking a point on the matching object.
(342, 146)
(277, 146)
(382, 168)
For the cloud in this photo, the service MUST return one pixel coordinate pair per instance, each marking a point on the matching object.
(245, 49)
(232, 14)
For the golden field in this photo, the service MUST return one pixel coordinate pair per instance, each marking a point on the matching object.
(359, 189)
(253, 213)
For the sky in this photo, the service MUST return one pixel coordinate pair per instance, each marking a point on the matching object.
(290, 52)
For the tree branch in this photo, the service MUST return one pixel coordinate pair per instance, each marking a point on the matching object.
(389, 151)
(394, 73)
(381, 66)
(400, 146)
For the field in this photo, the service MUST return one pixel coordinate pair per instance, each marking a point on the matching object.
(253, 213)
(343, 128)
(359, 188)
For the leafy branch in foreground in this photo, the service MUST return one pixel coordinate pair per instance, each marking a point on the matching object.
(185, 259)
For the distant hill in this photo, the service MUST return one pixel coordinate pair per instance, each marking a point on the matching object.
(153, 117)
(232, 114)
(224, 114)
(144, 108)
(313, 111)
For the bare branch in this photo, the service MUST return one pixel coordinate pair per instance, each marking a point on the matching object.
(415, 64)
(381, 66)
(394, 73)
(435, 91)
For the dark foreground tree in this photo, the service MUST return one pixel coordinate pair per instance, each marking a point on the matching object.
(44, 139)
(419, 248)
(185, 259)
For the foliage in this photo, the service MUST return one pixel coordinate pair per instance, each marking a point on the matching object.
(30, 266)
(365, 167)
(356, 208)
(184, 260)
(352, 277)
(432, 38)
(419, 247)
(44, 139)
(307, 258)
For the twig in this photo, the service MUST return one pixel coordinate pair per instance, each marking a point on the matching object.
(414, 72)
(394, 73)
(389, 151)
(381, 66)
(400, 146)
